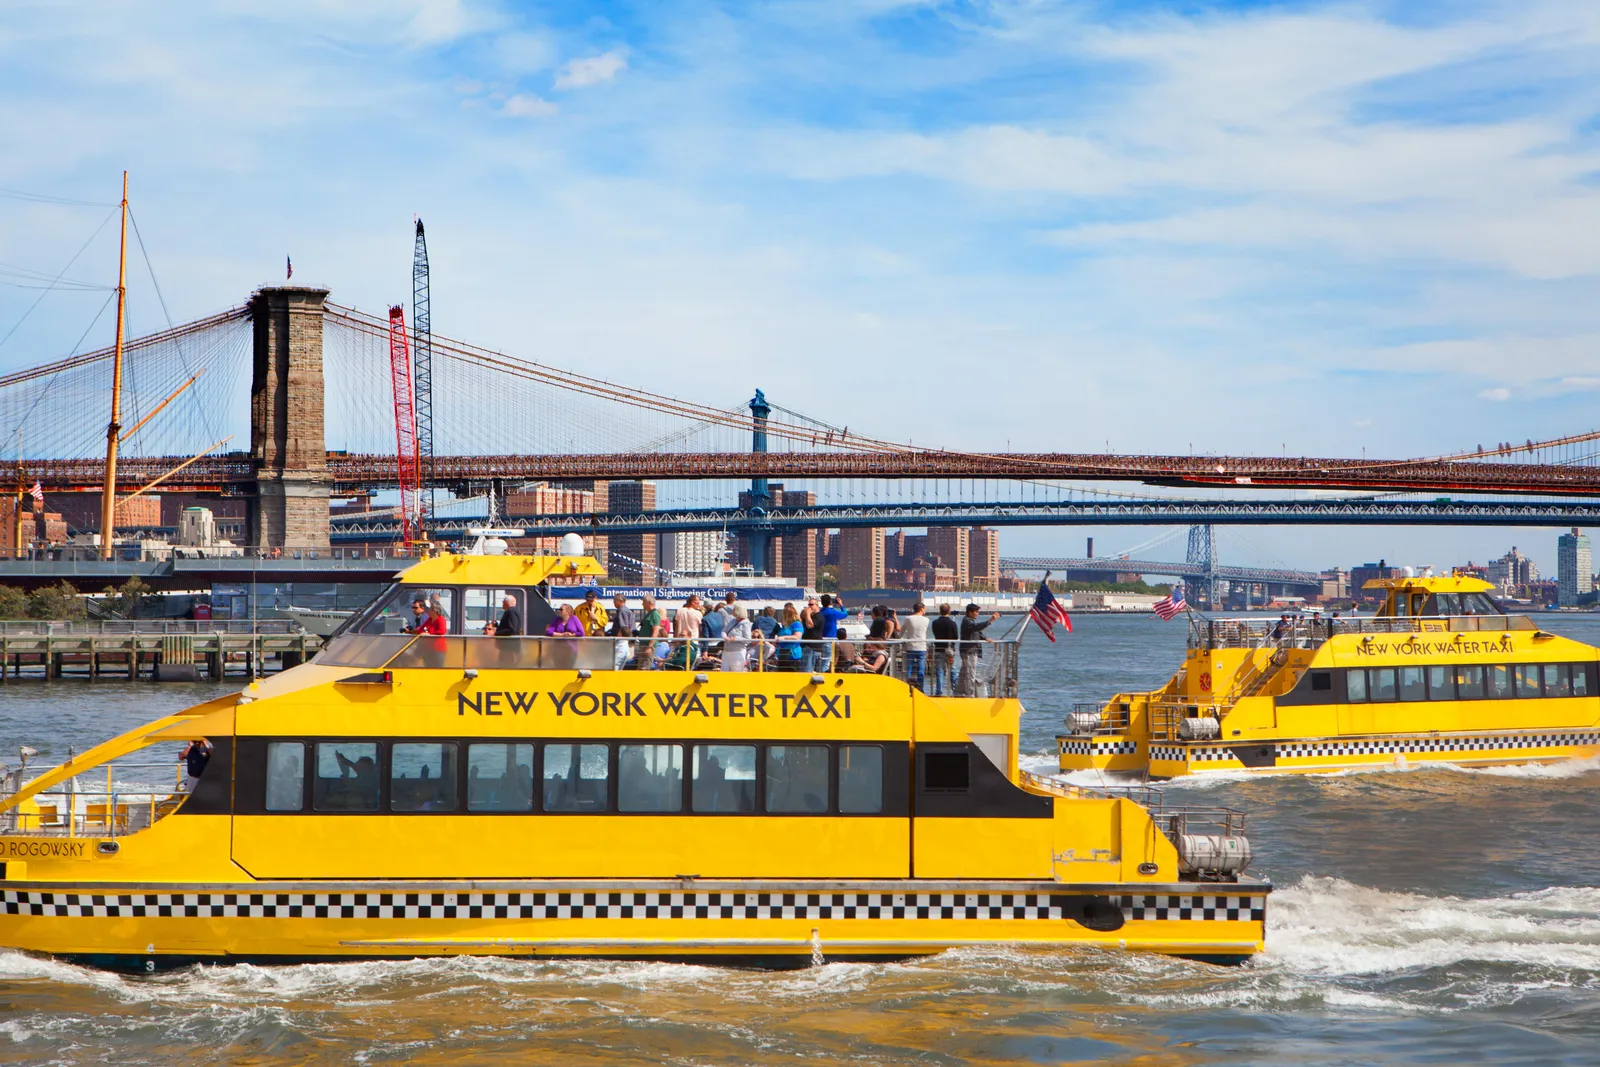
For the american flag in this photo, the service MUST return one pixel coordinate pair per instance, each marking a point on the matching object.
(1047, 610)
(37, 492)
(1171, 604)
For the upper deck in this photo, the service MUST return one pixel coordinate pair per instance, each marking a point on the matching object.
(469, 591)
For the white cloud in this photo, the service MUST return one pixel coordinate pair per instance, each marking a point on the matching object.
(528, 106)
(582, 73)
(1500, 393)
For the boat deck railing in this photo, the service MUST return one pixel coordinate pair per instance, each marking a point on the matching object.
(113, 800)
(1212, 633)
(1089, 718)
(953, 668)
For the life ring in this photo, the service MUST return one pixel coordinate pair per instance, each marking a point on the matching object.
(1205, 683)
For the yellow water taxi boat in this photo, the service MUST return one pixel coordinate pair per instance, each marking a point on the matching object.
(1440, 675)
(446, 793)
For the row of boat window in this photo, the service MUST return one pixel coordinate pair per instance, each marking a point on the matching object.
(1471, 682)
(422, 776)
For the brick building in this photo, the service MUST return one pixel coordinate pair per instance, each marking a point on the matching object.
(861, 558)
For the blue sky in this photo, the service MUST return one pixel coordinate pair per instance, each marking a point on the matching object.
(1312, 227)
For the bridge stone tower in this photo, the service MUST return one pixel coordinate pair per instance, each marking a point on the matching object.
(290, 509)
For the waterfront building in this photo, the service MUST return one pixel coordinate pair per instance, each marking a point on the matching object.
(1574, 568)
(984, 554)
(861, 558)
(953, 546)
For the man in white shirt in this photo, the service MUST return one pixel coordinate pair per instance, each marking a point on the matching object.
(914, 632)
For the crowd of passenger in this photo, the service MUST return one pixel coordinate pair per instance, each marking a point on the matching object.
(728, 636)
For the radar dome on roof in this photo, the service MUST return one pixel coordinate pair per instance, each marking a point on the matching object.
(571, 545)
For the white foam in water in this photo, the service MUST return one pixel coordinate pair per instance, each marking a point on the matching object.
(1572, 768)
(1330, 927)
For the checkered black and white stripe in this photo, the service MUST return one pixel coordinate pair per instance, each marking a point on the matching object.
(1200, 755)
(1384, 746)
(1207, 908)
(1098, 748)
(608, 906)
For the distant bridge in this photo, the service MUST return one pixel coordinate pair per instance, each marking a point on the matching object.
(1115, 565)
(354, 529)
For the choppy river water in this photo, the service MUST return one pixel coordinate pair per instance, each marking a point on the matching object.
(1422, 916)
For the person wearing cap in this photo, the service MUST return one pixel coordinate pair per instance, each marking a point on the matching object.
(972, 642)
(592, 614)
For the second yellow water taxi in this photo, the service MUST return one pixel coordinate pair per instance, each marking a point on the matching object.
(1440, 674)
(420, 789)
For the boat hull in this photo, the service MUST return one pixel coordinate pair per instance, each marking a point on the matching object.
(149, 928)
(1166, 759)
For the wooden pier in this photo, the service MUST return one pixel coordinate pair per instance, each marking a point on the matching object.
(163, 650)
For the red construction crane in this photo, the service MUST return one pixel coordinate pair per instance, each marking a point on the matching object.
(405, 426)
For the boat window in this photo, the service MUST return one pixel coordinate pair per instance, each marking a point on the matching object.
(1380, 681)
(575, 777)
(482, 606)
(1497, 681)
(1441, 683)
(390, 613)
(1411, 684)
(422, 776)
(1557, 680)
(724, 778)
(1445, 604)
(431, 653)
(286, 775)
(650, 778)
(1479, 604)
(500, 777)
(1355, 682)
(1321, 682)
(347, 777)
(1580, 680)
(1527, 679)
(946, 772)
(860, 779)
(1469, 682)
(797, 779)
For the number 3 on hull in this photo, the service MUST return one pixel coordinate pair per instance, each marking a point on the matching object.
(420, 789)
(1440, 674)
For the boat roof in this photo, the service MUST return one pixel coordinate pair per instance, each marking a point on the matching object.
(456, 568)
(1454, 583)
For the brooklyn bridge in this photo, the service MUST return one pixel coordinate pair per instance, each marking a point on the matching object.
(265, 387)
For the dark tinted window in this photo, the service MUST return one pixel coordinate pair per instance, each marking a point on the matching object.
(1469, 682)
(286, 776)
(347, 776)
(1497, 681)
(1380, 682)
(1321, 682)
(1557, 680)
(1411, 683)
(650, 778)
(797, 779)
(575, 777)
(1580, 680)
(500, 777)
(422, 776)
(1527, 679)
(724, 778)
(1441, 683)
(860, 779)
(945, 771)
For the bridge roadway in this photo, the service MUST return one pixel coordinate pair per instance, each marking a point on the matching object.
(236, 471)
(348, 529)
(1165, 567)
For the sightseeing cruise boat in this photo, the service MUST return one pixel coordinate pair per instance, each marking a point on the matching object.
(439, 793)
(1440, 675)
